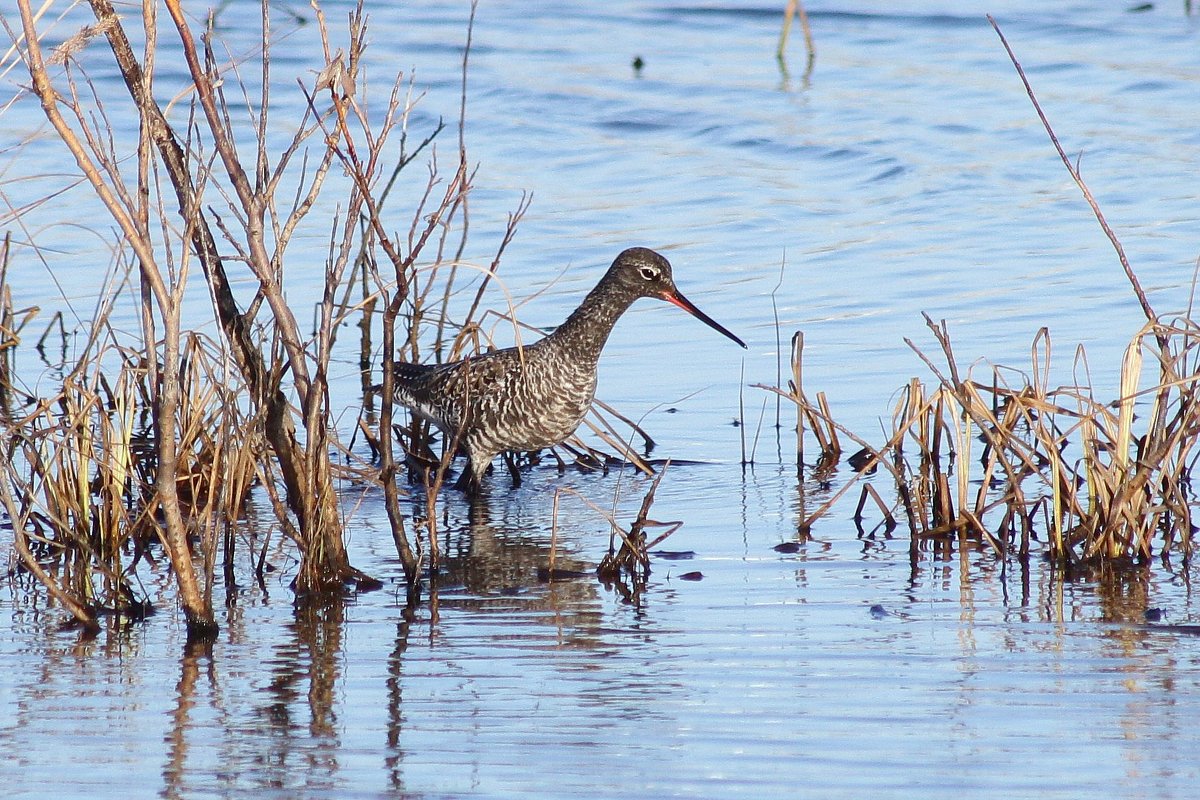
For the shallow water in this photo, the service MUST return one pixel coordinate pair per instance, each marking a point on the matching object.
(907, 173)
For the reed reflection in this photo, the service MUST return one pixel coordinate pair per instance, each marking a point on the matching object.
(293, 737)
(196, 661)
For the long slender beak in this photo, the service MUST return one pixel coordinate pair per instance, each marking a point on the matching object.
(677, 299)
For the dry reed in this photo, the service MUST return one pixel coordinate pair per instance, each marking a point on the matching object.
(626, 566)
(1095, 480)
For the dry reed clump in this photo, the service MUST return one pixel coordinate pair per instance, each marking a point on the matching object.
(228, 195)
(1005, 464)
(79, 477)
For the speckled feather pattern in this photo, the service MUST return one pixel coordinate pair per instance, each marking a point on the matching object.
(528, 398)
(503, 400)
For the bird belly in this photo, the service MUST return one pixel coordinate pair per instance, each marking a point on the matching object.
(539, 433)
(524, 421)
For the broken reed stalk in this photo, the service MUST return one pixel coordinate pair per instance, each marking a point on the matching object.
(794, 8)
(629, 564)
(1075, 175)
(553, 532)
(797, 387)
(12, 322)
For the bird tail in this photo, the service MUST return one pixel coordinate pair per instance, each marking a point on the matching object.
(408, 377)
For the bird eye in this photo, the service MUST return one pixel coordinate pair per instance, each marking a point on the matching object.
(649, 273)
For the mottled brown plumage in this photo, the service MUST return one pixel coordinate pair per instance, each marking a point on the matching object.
(527, 398)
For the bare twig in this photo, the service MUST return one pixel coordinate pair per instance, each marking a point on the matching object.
(1074, 172)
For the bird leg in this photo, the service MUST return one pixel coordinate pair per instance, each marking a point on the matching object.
(510, 461)
(467, 482)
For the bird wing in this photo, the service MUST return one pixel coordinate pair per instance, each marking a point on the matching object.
(445, 393)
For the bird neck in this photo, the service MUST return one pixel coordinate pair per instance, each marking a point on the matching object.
(586, 330)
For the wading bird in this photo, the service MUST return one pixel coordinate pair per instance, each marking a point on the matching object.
(535, 396)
